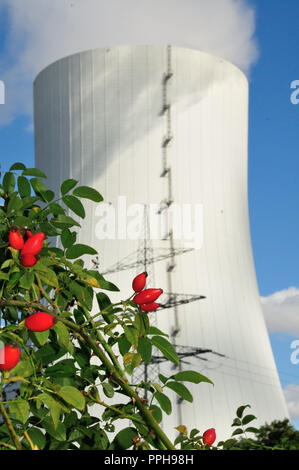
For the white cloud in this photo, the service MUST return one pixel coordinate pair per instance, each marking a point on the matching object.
(45, 30)
(281, 311)
(291, 393)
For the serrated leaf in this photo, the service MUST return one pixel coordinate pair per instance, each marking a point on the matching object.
(123, 345)
(145, 349)
(153, 330)
(59, 434)
(241, 409)
(75, 251)
(67, 185)
(88, 193)
(131, 361)
(252, 429)
(53, 405)
(237, 431)
(26, 280)
(72, 396)
(181, 390)
(164, 402)
(124, 439)
(191, 376)
(75, 205)
(64, 221)
(9, 182)
(108, 389)
(236, 422)
(38, 186)
(17, 166)
(131, 334)
(166, 348)
(24, 187)
(63, 333)
(182, 429)
(20, 409)
(34, 172)
(37, 437)
(68, 238)
(247, 419)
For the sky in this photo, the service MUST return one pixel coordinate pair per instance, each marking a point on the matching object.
(259, 36)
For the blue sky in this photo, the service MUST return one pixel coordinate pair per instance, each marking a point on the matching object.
(273, 162)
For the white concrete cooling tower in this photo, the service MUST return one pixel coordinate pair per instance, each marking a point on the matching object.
(168, 126)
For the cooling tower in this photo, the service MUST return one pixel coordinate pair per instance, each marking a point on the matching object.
(165, 129)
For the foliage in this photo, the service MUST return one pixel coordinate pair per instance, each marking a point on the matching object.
(89, 354)
(59, 380)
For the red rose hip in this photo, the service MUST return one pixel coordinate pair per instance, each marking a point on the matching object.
(139, 282)
(40, 321)
(147, 296)
(28, 260)
(15, 239)
(209, 436)
(34, 244)
(149, 307)
(9, 357)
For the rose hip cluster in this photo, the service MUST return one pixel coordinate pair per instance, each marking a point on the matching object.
(145, 298)
(30, 247)
(39, 321)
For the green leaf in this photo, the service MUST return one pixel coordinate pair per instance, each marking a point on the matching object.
(141, 322)
(40, 338)
(20, 408)
(236, 422)
(191, 376)
(124, 439)
(166, 348)
(63, 334)
(67, 185)
(24, 186)
(14, 204)
(72, 396)
(241, 409)
(181, 390)
(68, 238)
(131, 334)
(53, 405)
(252, 429)
(37, 437)
(131, 361)
(59, 434)
(34, 172)
(247, 419)
(17, 166)
(88, 193)
(64, 221)
(156, 412)
(145, 349)
(108, 390)
(9, 182)
(164, 402)
(64, 368)
(26, 280)
(38, 186)
(75, 205)
(123, 345)
(155, 331)
(23, 369)
(75, 251)
(237, 431)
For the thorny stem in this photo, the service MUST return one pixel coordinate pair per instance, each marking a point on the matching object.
(12, 432)
(110, 366)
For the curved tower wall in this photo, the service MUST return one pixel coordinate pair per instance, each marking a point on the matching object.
(100, 118)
